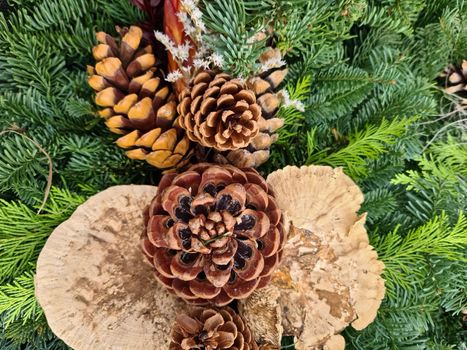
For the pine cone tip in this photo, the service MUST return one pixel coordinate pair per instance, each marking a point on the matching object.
(211, 329)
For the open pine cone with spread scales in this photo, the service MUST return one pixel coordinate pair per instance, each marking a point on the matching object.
(214, 233)
(218, 111)
(265, 87)
(135, 101)
(211, 329)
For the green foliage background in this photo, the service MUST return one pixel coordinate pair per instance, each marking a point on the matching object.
(366, 72)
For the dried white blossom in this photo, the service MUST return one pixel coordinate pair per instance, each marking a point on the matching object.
(188, 26)
(288, 102)
(217, 59)
(183, 51)
(201, 50)
(167, 42)
(174, 76)
(273, 62)
(197, 18)
(193, 18)
(201, 63)
(189, 5)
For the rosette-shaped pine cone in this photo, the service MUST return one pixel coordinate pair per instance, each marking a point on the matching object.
(212, 329)
(218, 111)
(136, 102)
(214, 233)
(265, 88)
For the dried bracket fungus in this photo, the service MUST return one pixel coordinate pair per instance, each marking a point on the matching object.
(92, 284)
(330, 276)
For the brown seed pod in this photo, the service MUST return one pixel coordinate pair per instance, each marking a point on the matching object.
(214, 233)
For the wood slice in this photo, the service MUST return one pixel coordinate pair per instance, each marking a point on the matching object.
(96, 290)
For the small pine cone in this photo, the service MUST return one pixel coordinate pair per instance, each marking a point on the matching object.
(264, 86)
(455, 79)
(211, 328)
(214, 234)
(135, 101)
(218, 111)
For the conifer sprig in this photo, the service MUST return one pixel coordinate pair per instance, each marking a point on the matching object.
(361, 68)
(405, 258)
(364, 145)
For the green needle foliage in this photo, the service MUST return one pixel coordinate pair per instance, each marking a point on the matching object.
(366, 74)
(405, 257)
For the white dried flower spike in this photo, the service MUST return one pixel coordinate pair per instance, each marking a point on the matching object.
(202, 50)
(174, 76)
(188, 26)
(199, 63)
(189, 5)
(288, 102)
(165, 40)
(217, 59)
(192, 19)
(273, 62)
(183, 51)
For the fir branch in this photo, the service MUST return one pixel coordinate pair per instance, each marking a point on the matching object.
(404, 257)
(231, 37)
(379, 203)
(21, 243)
(364, 145)
(21, 162)
(49, 160)
(449, 278)
(293, 118)
(403, 322)
(17, 300)
(439, 183)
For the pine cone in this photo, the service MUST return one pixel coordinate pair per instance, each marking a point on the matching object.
(211, 329)
(214, 233)
(264, 86)
(218, 111)
(136, 102)
(456, 79)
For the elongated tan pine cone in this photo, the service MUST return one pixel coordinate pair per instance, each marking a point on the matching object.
(136, 102)
(218, 111)
(265, 88)
(211, 329)
(214, 233)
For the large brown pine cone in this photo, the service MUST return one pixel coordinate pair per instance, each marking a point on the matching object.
(214, 233)
(218, 111)
(265, 88)
(211, 329)
(136, 102)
